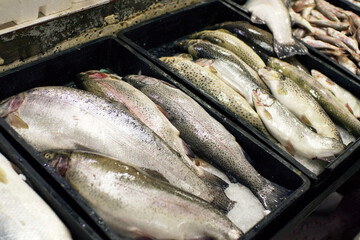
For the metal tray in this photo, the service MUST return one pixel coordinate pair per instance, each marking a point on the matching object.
(159, 33)
(112, 54)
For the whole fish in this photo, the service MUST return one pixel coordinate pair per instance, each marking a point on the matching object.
(134, 203)
(210, 84)
(352, 43)
(340, 26)
(351, 102)
(226, 40)
(319, 44)
(291, 132)
(24, 215)
(208, 138)
(327, 100)
(67, 118)
(232, 75)
(111, 86)
(299, 102)
(347, 63)
(276, 16)
(204, 49)
(318, 15)
(300, 21)
(326, 9)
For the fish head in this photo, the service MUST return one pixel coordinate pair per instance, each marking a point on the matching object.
(59, 160)
(11, 104)
(185, 44)
(271, 77)
(262, 98)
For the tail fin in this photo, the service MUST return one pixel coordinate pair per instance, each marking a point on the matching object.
(271, 195)
(289, 50)
(221, 200)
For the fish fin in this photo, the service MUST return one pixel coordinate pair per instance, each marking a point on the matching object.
(267, 114)
(257, 20)
(289, 50)
(187, 149)
(290, 148)
(221, 201)
(154, 174)
(16, 121)
(272, 194)
(305, 120)
(349, 108)
(163, 111)
(214, 180)
(212, 69)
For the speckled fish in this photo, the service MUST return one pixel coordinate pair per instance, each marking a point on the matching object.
(232, 75)
(208, 138)
(133, 203)
(67, 118)
(291, 132)
(210, 84)
(276, 16)
(351, 102)
(299, 102)
(24, 215)
(203, 49)
(224, 39)
(112, 87)
(327, 100)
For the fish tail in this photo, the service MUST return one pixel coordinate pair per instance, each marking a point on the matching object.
(289, 50)
(271, 195)
(222, 201)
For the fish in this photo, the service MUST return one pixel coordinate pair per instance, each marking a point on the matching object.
(327, 100)
(232, 75)
(210, 84)
(111, 86)
(355, 18)
(340, 26)
(350, 42)
(209, 139)
(291, 132)
(344, 61)
(300, 21)
(24, 214)
(319, 44)
(296, 63)
(299, 32)
(300, 5)
(134, 204)
(226, 40)
(318, 15)
(204, 49)
(59, 117)
(276, 16)
(299, 102)
(351, 102)
(326, 9)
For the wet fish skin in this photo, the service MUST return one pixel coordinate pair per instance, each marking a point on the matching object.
(224, 39)
(24, 214)
(325, 8)
(129, 200)
(301, 21)
(327, 100)
(276, 16)
(349, 100)
(293, 134)
(340, 26)
(347, 63)
(296, 63)
(350, 42)
(299, 102)
(203, 49)
(319, 44)
(67, 118)
(208, 138)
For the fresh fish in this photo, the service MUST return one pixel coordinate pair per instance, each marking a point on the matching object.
(299, 32)
(299, 102)
(133, 203)
(349, 100)
(210, 84)
(68, 118)
(112, 87)
(203, 49)
(326, 99)
(300, 5)
(24, 215)
(232, 75)
(351, 42)
(226, 40)
(300, 21)
(318, 15)
(306, 11)
(319, 44)
(326, 9)
(293, 134)
(208, 138)
(340, 26)
(276, 16)
(355, 18)
(347, 63)
(296, 63)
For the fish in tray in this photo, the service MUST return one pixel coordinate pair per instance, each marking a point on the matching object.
(67, 118)
(276, 16)
(208, 138)
(291, 132)
(23, 214)
(135, 204)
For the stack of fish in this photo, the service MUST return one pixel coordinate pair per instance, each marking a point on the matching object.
(115, 145)
(300, 112)
(330, 29)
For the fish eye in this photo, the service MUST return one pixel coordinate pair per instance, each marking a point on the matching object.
(49, 155)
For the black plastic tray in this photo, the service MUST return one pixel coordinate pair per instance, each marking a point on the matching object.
(78, 228)
(159, 33)
(112, 54)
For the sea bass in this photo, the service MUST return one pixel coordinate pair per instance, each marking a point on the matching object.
(208, 138)
(225, 39)
(291, 132)
(24, 215)
(351, 102)
(323, 96)
(67, 118)
(111, 86)
(276, 16)
(299, 102)
(210, 84)
(134, 203)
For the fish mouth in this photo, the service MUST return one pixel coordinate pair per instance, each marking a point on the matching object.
(59, 161)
